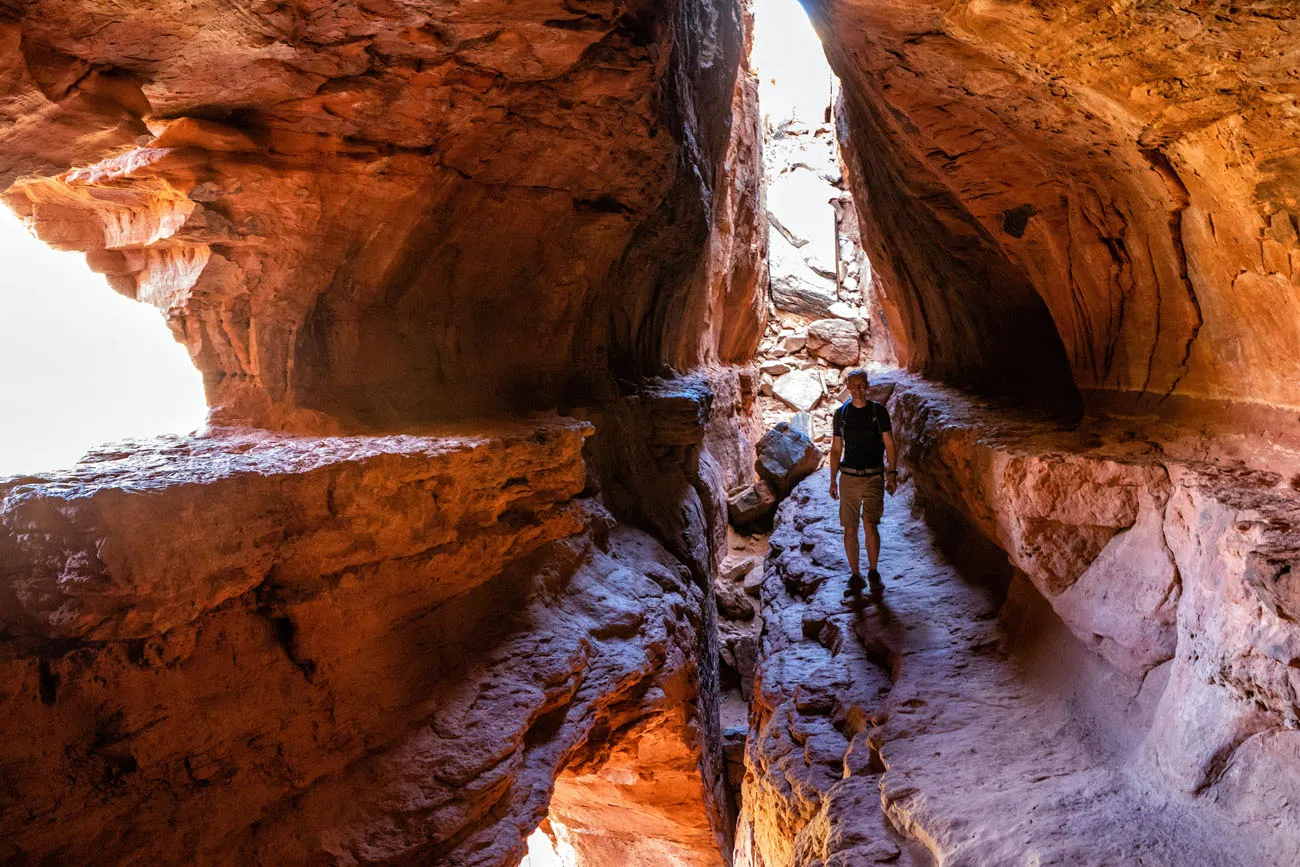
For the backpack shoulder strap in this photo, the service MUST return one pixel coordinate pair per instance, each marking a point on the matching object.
(876, 408)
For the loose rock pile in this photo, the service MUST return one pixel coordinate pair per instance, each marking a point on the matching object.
(818, 322)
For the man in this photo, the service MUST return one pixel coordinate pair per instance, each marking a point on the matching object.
(863, 452)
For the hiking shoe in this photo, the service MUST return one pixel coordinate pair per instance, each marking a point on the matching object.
(856, 583)
(874, 578)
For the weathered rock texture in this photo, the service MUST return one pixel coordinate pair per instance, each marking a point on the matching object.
(1096, 193)
(384, 212)
(360, 216)
(1167, 555)
(268, 650)
(954, 720)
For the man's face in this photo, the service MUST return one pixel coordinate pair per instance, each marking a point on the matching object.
(857, 386)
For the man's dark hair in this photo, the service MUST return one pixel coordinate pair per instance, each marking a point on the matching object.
(857, 371)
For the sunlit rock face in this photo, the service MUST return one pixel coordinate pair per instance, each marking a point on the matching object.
(1102, 193)
(383, 212)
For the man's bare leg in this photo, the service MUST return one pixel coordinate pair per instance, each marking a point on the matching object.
(851, 547)
(873, 547)
(873, 557)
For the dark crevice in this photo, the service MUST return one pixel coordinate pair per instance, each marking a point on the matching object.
(47, 683)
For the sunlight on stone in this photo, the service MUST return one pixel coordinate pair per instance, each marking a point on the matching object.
(80, 365)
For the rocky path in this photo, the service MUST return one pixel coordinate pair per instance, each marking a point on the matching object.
(954, 721)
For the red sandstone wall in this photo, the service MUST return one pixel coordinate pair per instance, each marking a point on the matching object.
(1102, 188)
(371, 214)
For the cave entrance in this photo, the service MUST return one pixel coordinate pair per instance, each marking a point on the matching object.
(80, 365)
(821, 321)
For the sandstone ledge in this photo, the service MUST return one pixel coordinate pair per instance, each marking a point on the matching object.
(134, 542)
(382, 651)
(1169, 559)
(957, 721)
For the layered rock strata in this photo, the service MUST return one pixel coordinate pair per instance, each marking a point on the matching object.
(346, 212)
(1092, 194)
(256, 649)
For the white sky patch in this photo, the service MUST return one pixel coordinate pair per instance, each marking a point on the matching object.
(79, 364)
(541, 853)
(794, 77)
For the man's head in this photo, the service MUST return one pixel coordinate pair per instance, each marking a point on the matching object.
(857, 383)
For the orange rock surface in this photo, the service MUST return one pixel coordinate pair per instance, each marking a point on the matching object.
(344, 650)
(381, 212)
(1102, 193)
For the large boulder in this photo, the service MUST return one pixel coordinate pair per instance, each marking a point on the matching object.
(799, 389)
(796, 287)
(785, 458)
(835, 340)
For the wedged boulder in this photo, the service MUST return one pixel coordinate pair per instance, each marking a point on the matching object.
(795, 287)
(835, 340)
(785, 458)
(751, 505)
(799, 389)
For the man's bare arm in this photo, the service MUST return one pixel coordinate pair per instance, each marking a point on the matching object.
(837, 448)
(891, 462)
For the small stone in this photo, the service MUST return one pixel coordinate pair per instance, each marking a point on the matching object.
(774, 367)
(733, 604)
(794, 342)
(751, 505)
(735, 568)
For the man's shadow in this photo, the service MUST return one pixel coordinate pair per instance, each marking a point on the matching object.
(869, 600)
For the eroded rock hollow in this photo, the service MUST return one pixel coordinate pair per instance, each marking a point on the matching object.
(480, 296)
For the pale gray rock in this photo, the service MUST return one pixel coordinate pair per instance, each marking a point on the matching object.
(799, 389)
(802, 422)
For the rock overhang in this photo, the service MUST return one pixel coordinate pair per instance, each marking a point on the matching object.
(349, 213)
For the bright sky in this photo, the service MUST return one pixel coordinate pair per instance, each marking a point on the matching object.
(79, 364)
(786, 48)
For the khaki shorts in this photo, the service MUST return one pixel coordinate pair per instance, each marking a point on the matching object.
(861, 497)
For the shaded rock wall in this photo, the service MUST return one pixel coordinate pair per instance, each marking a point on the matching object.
(246, 648)
(1094, 192)
(1166, 553)
(348, 213)
(347, 650)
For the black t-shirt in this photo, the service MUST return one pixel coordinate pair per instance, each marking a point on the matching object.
(862, 429)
